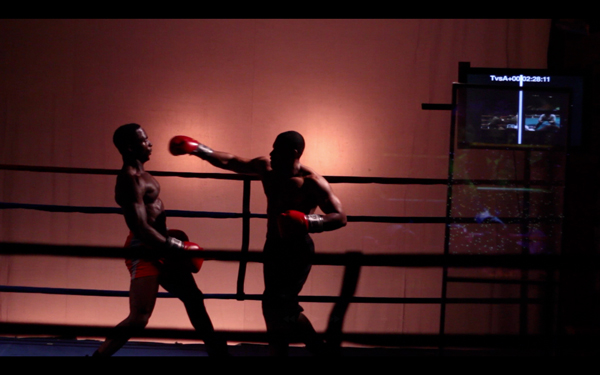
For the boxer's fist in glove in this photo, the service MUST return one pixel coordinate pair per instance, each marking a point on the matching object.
(177, 239)
(193, 264)
(181, 145)
(296, 223)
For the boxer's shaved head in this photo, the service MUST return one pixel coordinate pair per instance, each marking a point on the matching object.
(125, 135)
(290, 140)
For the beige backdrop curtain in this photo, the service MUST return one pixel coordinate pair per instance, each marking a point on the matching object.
(353, 88)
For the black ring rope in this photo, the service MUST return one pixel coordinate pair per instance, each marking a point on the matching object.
(517, 261)
(258, 297)
(235, 215)
(241, 177)
(378, 260)
(330, 179)
(117, 210)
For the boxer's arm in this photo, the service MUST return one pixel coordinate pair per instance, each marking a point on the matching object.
(181, 145)
(235, 163)
(541, 120)
(334, 216)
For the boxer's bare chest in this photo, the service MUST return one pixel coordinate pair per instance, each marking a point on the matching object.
(131, 188)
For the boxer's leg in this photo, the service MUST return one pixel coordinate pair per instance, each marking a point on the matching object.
(182, 285)
(142, 298)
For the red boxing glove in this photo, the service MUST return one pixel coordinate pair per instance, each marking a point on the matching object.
(181, 145)
(179, 240)
(296, 223)
(194, 264)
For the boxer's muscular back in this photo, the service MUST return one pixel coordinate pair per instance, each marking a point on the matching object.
(298, 193)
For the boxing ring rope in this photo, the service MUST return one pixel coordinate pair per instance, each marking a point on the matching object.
(352, 261)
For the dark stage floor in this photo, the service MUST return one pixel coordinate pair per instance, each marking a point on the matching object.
(57, 347)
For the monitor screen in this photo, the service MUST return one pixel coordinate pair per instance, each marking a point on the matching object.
(550, 106)
(489, 116)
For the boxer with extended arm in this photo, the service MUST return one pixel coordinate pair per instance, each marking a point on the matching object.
(137, 192)
(293, 191)
(546, 121)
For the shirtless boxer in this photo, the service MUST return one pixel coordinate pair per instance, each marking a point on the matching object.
(546, 121)
(137, 193)
(293, 191)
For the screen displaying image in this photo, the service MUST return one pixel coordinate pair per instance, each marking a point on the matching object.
(562, 111)
(512, 117)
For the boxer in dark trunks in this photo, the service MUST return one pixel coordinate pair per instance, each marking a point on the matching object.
(293, 192)
(137, 193)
